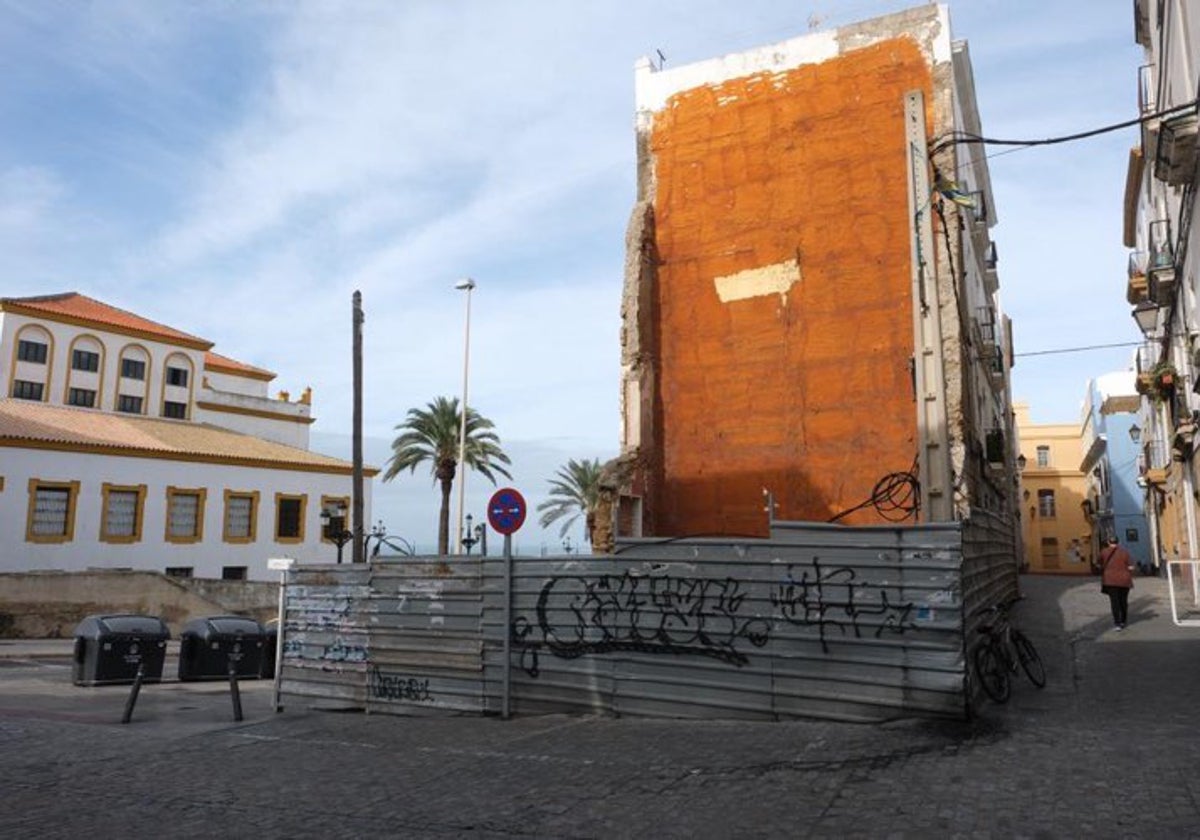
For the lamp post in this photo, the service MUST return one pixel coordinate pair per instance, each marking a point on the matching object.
(466, 285)
(333, 521)
(379, 533)
(469, 539)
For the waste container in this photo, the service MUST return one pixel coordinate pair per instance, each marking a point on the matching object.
(270, 644)
(109, 649)
(207, 647)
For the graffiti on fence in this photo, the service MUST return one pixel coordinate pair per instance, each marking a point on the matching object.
(383, 686)
(835, 599)
(684, 616)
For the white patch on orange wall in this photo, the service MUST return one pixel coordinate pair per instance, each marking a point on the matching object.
(776, 279)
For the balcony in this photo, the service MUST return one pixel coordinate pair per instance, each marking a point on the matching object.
(1154, 462)
(1141, 23)
(1160, 263)
(991, 280)
(994, 449)
(985, 326)
(977, 208)
(1138, 288)
(1147, 107)
(1175, 154)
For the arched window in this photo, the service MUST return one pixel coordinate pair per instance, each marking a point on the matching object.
(178, 379)
(133, 379)
(85, 372)
(32, 363)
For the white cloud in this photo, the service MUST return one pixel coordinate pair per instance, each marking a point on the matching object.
(240, 169)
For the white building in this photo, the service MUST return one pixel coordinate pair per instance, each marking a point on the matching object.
(1164, 267)
(125, 443)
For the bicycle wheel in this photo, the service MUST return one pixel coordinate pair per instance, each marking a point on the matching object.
(991, 673)
(1030, 661)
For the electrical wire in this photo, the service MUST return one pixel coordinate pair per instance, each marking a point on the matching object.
(956, 137)
(895, 497)
(1078, 349)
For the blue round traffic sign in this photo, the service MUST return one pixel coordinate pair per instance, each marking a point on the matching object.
(506, 510)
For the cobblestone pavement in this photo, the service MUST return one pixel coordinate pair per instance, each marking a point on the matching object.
(1109, 749)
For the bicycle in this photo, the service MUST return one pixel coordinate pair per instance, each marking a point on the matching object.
(1002, 648)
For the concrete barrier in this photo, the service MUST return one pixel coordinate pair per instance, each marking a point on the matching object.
(48, 605)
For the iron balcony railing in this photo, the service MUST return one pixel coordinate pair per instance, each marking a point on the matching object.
(1147, 90)
(1155, 456)
(1137, 264)
(1148, 354)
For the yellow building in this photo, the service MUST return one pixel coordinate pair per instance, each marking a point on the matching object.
(1054, 527)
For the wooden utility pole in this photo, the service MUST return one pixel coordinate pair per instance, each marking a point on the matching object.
(358, 555)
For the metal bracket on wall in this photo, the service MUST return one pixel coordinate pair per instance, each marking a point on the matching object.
(929, 372)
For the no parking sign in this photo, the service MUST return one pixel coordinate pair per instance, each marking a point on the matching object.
(506, 511)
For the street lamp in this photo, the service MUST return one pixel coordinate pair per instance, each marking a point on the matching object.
(470, 536)
(1021, 462)
(333, 522)
(1135, 434)
(465, 285)
(1146, 315)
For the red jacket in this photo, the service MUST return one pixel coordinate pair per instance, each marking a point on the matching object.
(1117, 566)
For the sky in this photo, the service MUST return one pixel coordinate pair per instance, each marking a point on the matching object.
(237, 169)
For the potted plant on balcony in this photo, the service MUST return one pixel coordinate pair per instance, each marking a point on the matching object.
(1164, 377)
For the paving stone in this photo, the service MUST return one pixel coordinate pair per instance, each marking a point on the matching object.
(1106, 750)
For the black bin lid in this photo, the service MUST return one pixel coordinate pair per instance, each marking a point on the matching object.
(102, 626)
(223, 625)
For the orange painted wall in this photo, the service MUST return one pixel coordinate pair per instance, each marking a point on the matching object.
(810, 396)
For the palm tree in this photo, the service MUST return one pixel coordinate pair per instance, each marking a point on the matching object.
(575, 491)
(431, 434)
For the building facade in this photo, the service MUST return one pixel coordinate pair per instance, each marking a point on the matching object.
(1111, 440)
(1056, 530)
(810, 315)
(1160, 228)
(125, 443)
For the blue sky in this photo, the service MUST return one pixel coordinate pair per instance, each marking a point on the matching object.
(238, 169)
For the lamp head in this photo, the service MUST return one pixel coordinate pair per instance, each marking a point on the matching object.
(465, 284)
(1146, 315)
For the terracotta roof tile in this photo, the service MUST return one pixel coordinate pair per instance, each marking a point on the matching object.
(37, 425)
(215, 361)
(72, 306)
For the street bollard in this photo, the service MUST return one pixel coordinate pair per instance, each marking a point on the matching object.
(234, 692)
(133, 693)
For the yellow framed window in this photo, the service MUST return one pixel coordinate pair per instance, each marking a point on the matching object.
(121, 513)
(185, 515)
(241, 516)
(51, 515)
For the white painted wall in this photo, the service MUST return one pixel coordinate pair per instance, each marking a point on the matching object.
(108, 380)
(154, 553)
(287, 432)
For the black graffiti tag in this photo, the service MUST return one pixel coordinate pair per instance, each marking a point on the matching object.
(644, 614)
(836, 599)
(396, 687)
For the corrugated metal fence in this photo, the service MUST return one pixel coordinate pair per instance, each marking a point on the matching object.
(819, 620)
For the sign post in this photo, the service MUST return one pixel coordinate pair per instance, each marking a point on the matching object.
(282, 565)
(506, 513)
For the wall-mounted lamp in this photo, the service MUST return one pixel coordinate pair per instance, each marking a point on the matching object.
(1135, 434)
(1021, 462)
(1146, 315)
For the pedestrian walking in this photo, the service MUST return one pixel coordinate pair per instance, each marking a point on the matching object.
(1116, 579)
